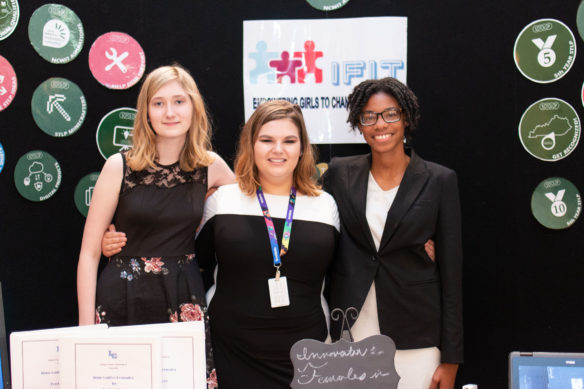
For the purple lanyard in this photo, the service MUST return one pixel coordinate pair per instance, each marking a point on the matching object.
(276, 252)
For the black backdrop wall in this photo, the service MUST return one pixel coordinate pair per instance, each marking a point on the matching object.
(522, 282)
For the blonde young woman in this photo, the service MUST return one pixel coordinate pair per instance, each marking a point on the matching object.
(252, 329)
(155, 194)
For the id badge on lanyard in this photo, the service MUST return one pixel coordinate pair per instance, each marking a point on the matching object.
(278, 286)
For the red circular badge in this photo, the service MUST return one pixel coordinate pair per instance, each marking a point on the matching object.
(8, 83)
(117, 60)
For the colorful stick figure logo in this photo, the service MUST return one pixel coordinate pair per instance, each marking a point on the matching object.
(56, 33)
(545, 50)
(37, 175)
(556, 203)
(58, 107)
(274, 67)
(550, 129)
(117, 60)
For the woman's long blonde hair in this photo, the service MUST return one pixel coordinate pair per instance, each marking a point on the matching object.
(246, 171)
(198, 141)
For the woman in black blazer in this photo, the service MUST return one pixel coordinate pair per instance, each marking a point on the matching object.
(391, 202)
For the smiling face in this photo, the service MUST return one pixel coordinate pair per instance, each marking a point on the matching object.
(276, 153)
(383, 137)
(170, 111)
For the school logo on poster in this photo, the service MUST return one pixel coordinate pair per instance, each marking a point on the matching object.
(302, 62)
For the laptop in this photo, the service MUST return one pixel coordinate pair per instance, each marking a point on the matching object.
(4, 357)
(543, 370)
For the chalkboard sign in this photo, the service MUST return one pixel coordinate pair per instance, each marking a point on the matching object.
(368, 363)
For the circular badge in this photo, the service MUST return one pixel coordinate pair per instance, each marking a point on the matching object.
(37, 175)
(550, 129)
(114, 132)
(9, 14)
(56, 33)
(58, 107)
(580, 19)
(545, 50)
(2, 158)
(327, 5)
(8, 83)
(556, 203)
(84, 191)
(117, 60)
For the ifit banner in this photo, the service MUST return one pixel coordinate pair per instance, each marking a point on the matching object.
(316, 63)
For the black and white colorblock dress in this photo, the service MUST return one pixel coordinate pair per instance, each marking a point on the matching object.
(251, 340)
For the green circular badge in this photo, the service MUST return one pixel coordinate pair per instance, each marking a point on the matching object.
(580, 19)
(37, 175)
(84, 191)
(550, 129)
(58, 107)
(556, 203)
(327, 5)
(545, 50)
(114, 133)
(56, 33)
(9, 14)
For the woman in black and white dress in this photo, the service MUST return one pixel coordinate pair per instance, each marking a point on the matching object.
(275, 163)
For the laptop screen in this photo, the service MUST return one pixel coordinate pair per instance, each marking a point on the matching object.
(541, 370)
(5, 370)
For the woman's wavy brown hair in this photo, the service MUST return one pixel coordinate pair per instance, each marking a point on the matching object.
(198, 141)
(246, 171)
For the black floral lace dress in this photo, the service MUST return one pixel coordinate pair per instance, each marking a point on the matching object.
(156, 278)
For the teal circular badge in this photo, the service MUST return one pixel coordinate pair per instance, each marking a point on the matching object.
(2, 158)
(556, 203)
(114, 132)
(580, 19)
(327, 5)
(56, 33)
(545, 50)
(549, 129)
(84, 191)
(58, 107)
(37, 175)
(9, 15)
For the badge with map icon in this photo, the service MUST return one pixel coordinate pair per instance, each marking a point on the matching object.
(550, 129)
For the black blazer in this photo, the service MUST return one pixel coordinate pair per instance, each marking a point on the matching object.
(419, 301)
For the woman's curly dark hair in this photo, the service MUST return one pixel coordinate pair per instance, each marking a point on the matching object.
(406, 99)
